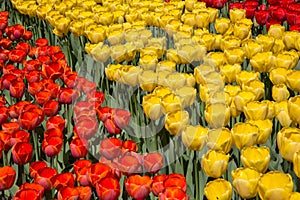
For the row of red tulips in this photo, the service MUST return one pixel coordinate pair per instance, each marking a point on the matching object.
(40, 83)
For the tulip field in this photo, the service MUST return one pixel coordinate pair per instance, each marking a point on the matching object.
(149, 99)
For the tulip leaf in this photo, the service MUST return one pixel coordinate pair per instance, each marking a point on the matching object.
(189, 175)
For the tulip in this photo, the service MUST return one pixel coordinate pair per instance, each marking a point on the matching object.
(67, 95)
(130, 163)
(78, 147)
(278, 75)
(22, 153)
(257, 158)
(217, 115)
(284, 60)
(282, 113)
(251, 48)
(55, 122)
(290, 39)
(278, 46)
(129, 145)
(276, 31)
(215, 163)
(7, 177)
(202, 19)
(51, 146)
(214, 59)
(44, 176)
(97, 172)
(110, 148)
(173, 193)
(96, 34)
(218, 189)
(152, 106)
(237, 14)
(296, 163)
(138, 187)
(108, 188)
(100, 52)
(62, 180)
(255, 110)
(187, 95)
(244, 134)
(174, 81)
(242, 99)
(35, 166)
(229, 72)
(171, 103)
(219, 140)
(222, 25)
(287, 142)
(175, 181)
(280, 92)
(193, 137)
(202, 70)
(265, 129)
(292, 81)
(158, 184)
(294, 196)
(176, 122)
(262, 62)
(234, 56)
(153, 162)
(24, 193)
(29, 187)
(67, 193)
(293, 104)
(275, 185)
(148, 80)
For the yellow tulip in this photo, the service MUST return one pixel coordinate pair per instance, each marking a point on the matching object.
(280, 92)
(118, 53)
(217, 115)
(284, 61)
(218, 189)
(96, 35)
(173, 56)
(189, 79)
(237, 14)
(116, 37)
(265, 129)
(189, 19)
(219, 97)
(88, 5)
(148, 80)
(295, 56)
(278, 75)
(218, 39)
(296, 164)
(293, 108)
(262, 62)
(42, 10)
(207, 90)
(251, 48)
(148, 62)
(234, 55)
(52, 16)
(130, 75)
(245, 182)
(187, 95)
(202, 19)
(214, 78)
(190, 4)
(288, 142)
(234, 112)
(175, 80)
(255, 110)
(166, 65)
(266, 41)
(295, 196)
(201, 71)
(215, 163)
(244, 135)
(177, 121)
(275, 185)
(186, 54)
(293, 81)
(161, 77)
(161, 91)
(207, 40)
(100, 52)
(242, 98)
(215, 59)
(77, 28)
(232, 90)
(276, 31)
(219, 140)
(193, 137)
(172, 26)
(164, 20)
(152, 106)
(222, 25)
(119, 16)
(255, 86)
(255, 157)
(282, 113)
(131, 50)
(271, 109)
(171, 103)
(290, 39)
(229, 42)
(278, 46)
(229, 72)
(242, 29)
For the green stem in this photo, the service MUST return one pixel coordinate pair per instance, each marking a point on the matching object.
(4, 157)
(36, 146)
(21, 175)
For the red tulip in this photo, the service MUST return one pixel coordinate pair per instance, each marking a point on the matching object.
(26, 193)
(138, 187)
(279, 14)
(3, 24)
(5, 140)
(129, 145)
(129, 164)
(33, 76)
(17, 89)
(53, 88)
(69, 193)
(86, 127)
(55, 122)
(53, 132)
(158, 184)
(218, 3)
(295, 27)
(175, 181)
(19, 136)
(34, 88)
(5, 42)
(7, 177)
(85, 193)
(114, 167)
(51, 50)
(42, 97)
(110, 148)
(36, 109)
(44, 59)
(174, 194)
(250, 10)
(25, 46)
(153, 162)
(63, 180)
(294, 7)
(274, 2)
(51, 146)
(31, 65)
(111, 127)
(70, 79)
(108, 189)
(28, 120)
(292, 17)
(104, 113)
(41, 42)
(121, 117)
(22, 153)
(4, 55)
(58, 56)
(82, 176)
(262, 16)
(52, 70)
(97, 172)
(67, 95)
(17, 56)
(33, 186)
(79, 147)
(10, 127)
(89, 87)
(7, 80)
(43, 177)
(3, 114)
(35, 166)
(27, 35)
(271, 22)
(80, 164)
(51, 108)
(18, 31)
(237, 5)
(96, 96)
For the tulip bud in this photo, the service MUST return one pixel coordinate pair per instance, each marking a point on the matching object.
(282, 113)
(138, 187)
(242, 29)
(290, 39)
(223, 192)
(280, 92)
(193, 137)
(293, 108)
(229, 42)
(255, 86)
(8, 176)
(187, 95)
(245, 182)
(244, 134)
(266, 41)
(176, 122)
(242, 98)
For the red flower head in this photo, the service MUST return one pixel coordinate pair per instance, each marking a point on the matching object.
(250, 10)
(114, 167)
(104, 113)
(7, 177)
(85, 193)
(274, 2)
(55, 122)
(89, 87)
(81, 164)
(83, 108)
(42, 97)
(67, 95)
(111, 127)
(262, 16)
(62, 180)
(22, 153)
(108, 189)
(52, 70)
(138, 187)
(35, 166)
(43, 177)
(218, 3)
(295, 27)
(120, 117)
(27, 35)
(153, 162)
(3, 24)
(19, 136)
(31, 65)
(81, 169)
(68, 193)
(53, 88)
(173, 193)
(27, 193)
(96, 96)
(28, 120)
(158, 184)
(57, 56)
(33, 76)
(97, 172)
(3, 114)
(79, 147)
(7, 80)
(51, 146)
(70, 79)
(5, 140)
(17, 89)
(5, 42)
(292, 17)
(175, 181)
(25, 46)
(4, 55)
(129, 145)
(33, 186)
(53, 132)
(53, 50)
(44, 59)
(10, 127)
(279, 14)
(110, 148)
(41, 42)
(34, 88)
(17, 56)
(129, 164)
(271, 22)
(86, 127)
(18, 31)
(237, 5)
(51, 108)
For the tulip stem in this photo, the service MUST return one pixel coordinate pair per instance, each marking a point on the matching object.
(21, 175)
(35, 143)
(5, 161)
